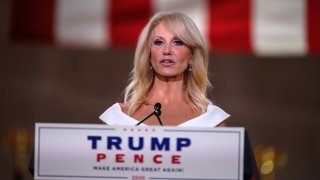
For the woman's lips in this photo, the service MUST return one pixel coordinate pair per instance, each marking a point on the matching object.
(167, 62)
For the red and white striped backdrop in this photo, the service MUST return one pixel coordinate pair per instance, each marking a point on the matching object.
(261, 27)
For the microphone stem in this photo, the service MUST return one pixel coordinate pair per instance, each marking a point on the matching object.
(144, 119)
(159, 119)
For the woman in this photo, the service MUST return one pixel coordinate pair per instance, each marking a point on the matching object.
(170, 67)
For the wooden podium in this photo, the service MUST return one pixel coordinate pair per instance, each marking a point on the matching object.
(88, 151)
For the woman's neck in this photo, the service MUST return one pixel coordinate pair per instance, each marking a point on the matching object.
(167, 91)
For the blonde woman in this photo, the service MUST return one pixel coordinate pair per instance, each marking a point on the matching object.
(170, 67)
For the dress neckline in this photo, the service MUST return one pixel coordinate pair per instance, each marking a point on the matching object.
(196, 121)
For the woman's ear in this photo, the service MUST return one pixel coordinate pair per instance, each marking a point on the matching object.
(191, 58)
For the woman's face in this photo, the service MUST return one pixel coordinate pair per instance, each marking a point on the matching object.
(169, 56)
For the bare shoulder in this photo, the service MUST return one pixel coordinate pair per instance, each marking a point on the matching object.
(124, 107)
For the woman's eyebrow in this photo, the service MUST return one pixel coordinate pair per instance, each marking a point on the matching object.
(155, 37)
(160, 37)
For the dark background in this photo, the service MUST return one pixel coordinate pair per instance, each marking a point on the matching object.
(275, 98)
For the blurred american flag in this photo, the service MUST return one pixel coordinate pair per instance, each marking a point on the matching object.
(260, 27)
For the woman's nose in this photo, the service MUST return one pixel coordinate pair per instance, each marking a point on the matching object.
(167, 49)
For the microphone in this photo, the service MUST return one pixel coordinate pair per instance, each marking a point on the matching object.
(157, 108)
(157, 112)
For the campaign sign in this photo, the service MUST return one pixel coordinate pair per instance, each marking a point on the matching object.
(87, 151)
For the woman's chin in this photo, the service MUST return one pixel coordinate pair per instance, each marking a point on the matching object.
(169, 76)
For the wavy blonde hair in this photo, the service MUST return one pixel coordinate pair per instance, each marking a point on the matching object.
(141, 77)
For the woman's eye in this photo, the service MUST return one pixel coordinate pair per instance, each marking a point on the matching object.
(158, 42)
(177, 42)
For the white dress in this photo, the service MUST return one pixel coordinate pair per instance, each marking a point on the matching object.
(211, 118)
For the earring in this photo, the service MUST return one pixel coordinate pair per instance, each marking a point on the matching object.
(190, 67)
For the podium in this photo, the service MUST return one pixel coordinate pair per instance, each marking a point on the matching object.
(87, 151)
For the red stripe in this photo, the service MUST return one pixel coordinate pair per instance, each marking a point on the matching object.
(33, 20)
(313, 26)
(127, 20)
(229, 25)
